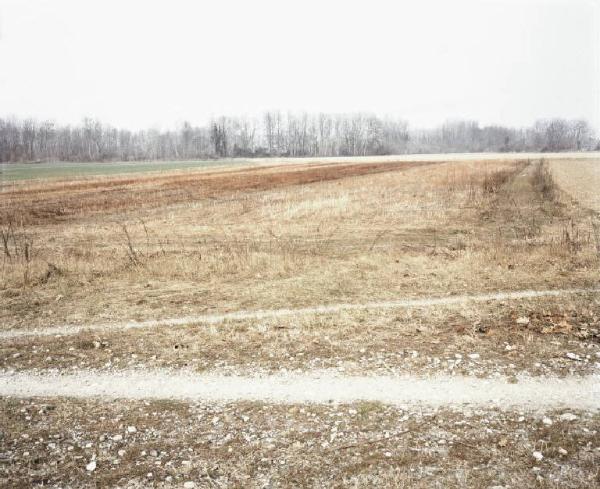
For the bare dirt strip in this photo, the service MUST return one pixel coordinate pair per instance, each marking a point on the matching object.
(317, 310)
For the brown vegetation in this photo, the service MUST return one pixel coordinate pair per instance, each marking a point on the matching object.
(439, 229)
(408, 230)
(62, 200)
(278, 237)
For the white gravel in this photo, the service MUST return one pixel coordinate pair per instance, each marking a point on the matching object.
(315, 387)
(317, 310)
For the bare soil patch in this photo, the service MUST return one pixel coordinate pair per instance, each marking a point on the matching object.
(48, 443)
(536, 337)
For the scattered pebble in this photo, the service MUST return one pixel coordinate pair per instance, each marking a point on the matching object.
(538, 456)
(568, 417)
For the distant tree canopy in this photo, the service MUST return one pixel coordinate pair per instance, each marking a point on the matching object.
(278, 134)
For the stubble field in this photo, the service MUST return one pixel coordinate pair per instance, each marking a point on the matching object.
(484, 269)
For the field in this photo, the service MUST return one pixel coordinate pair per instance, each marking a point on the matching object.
(16, 172)
(11, 172)
(385, 322)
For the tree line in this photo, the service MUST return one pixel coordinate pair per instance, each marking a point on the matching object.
(280, 134)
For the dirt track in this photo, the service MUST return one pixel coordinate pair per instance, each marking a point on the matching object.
(323, 309)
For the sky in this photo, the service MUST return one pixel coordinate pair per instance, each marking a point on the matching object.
(138, 64)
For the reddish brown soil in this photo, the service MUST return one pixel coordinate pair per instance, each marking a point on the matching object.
(63, 200)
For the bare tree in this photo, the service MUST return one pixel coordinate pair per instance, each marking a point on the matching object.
(218, 137)
(278, 134)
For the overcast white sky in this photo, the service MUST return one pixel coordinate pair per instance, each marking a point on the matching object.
(156, 63)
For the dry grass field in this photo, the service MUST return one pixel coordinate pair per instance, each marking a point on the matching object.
(581, 179)
(106, 250)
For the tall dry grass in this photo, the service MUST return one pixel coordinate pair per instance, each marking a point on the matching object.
(431, 229)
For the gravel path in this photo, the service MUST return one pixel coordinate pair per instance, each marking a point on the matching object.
(276, 313)
(316, 387)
